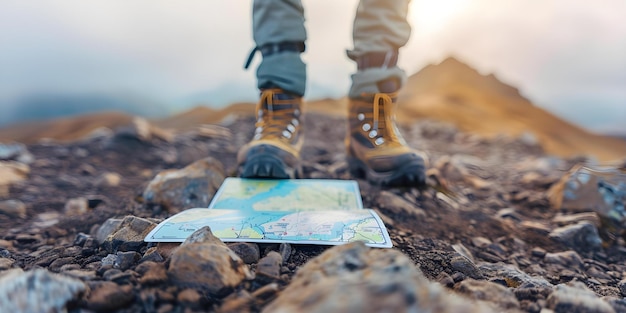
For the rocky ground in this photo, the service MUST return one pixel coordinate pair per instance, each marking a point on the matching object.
(482, 237)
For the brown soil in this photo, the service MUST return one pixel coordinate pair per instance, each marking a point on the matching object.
(64, 171)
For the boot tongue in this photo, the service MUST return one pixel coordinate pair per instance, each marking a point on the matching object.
(389, 85)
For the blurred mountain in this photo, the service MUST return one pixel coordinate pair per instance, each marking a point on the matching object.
(454, 92)
(45, 106)
(68, 128)
(205, 115)
(450, 92)
(620, 136)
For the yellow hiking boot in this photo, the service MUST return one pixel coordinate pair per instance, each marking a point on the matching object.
(274, 151)
(375, 148)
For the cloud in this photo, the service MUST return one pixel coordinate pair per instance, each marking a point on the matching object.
(553, 50)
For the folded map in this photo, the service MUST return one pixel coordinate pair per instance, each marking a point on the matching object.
(323, 212)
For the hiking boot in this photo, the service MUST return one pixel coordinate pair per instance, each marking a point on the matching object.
(375, 148)
(274, 151)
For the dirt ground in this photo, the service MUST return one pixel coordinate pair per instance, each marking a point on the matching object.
(482, 199)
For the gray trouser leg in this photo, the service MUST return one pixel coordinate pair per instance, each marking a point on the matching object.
(379, 26)
(277, 21)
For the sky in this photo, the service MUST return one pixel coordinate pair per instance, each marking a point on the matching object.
(568, 56)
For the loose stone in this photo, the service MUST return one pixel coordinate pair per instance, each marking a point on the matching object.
(269, 266)
(108, 296)
(488, 291)
(129, 235)
(581, 236)
(248, 252)
(568, 259)
(13, 208)
(209, 266)
(190, 187)
(576, 298)
(37, 291)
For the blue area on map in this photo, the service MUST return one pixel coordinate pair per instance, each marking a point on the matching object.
(281, 189)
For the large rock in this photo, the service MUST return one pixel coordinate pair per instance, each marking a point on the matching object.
(576, 298)
(192, 186)
(602, 190)
(355, 278)
(206, 265)
(128, 235)
(582, 236)
(37, 291)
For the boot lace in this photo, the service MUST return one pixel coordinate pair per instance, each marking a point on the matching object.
(276, 118)
(382, 130)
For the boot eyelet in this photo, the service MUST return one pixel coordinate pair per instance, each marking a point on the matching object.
(360, 116)
(373, 134)
(291, 128)
(379, 141)
(296, 112)
(295, 122)
(366, 127)
(258, 130)
(257, 136)
(286, 134)
(260, 113)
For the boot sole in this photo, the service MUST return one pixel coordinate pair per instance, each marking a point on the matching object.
(409, 175)
(267, 165)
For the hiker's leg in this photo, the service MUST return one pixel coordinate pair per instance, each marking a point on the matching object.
(276, 22)
(380, 29)
(274, 151)
(375, 148)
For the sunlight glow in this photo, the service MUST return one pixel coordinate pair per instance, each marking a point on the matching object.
(432, 16)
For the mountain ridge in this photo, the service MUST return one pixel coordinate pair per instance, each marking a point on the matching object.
(451, 91)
